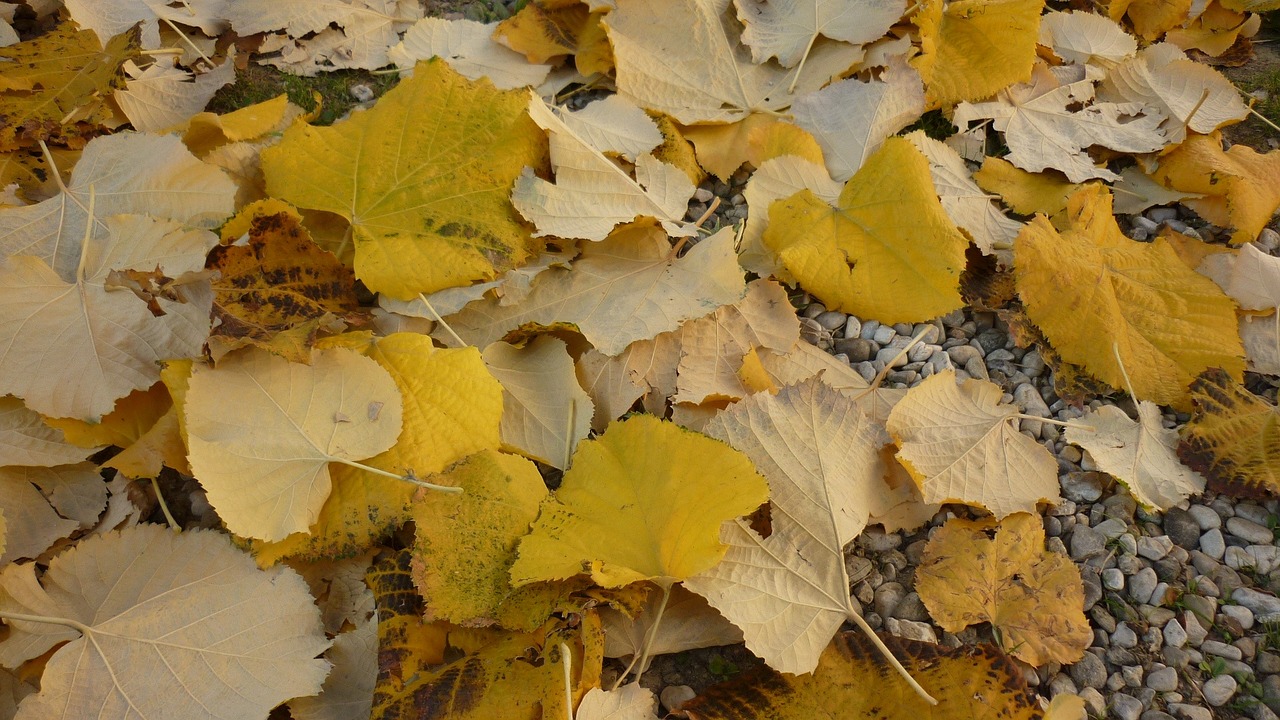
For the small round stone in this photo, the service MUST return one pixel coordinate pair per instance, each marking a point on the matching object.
(1089, 672)
(1163, 680)
(1218, 690)
(674, 697)
(1126, 707)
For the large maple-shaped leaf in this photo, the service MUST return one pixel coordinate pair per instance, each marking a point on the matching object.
(1141, 454)
(626, 288)
(423, 177)
(262, 432)
(683, 58)
(972, 48)
(72, 342)
(1241, 186)
(787, 30)
(789, 592)
(887, 250)
(1032, 596)
(1233, 437)
(1097, 294)
(162, 625)
(644, 501)
(961, 445)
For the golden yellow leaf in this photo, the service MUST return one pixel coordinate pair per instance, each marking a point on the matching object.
(1140, 454)
(721, 149)
(1233, 437)
(1216, 30)
(1241, 186)
(543, 33)
(961, 445)
(1150, 18)
(163, 625)
(1093, 290)
(408, 646)
(1025, 193)
(424, 187)
(972, 48)
(132, 415)
(753, 375)
(970, 683)
(977, 571)
(644, 501)
(776, 139)
(545, 411)
(887, 250)
(206, 131)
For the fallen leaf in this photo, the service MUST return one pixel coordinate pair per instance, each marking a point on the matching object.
(25, 439)
(163, 96)
(1248, 275)
(972, 48)
(1151, 18)
(334, 34)
(1084, 38)
(407, 645)
(545, 412)
(629, 702)
(110, 18)
(1233, 437)
(470, 49)
(32, 525)
(427, 201)
(977, 571)
(1026, 193)
(645, 369)
(787, 30)
(961, 445)
(687, 623)
(163, 625)
(789, 591)
(1136, 191)
(348, 690)
(1096, 293)
(644, 501)
(887, 251)
(1261, 338)
(543, 31)
(1241, 187)
(1141, 454)
(779, 178)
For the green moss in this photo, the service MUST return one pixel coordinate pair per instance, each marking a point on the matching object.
(257, 83)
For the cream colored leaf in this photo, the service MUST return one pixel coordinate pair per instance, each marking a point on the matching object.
(1184, 94)
(161, 625)
(682, 57)
(347, 33)
(1261, 338)
(1049, 125)
(347, 693)
(1085, 38)
(623, 289)
(787, 29)
(592, 193)
(26, 440)
(1141, 454)
(262, 432)
(629, 702)
(1135, 191)
(76, 491)
(1250, 276)
(470, 49)
(33, 526)
(805, 361)
(614, 125)
(687, 623)
(850, 119)
(778, 178)
(162, 97)
(968, 205)
(646, 368)
(789, 592)
(109, 18)
(544, 410)
(961, 445)
(510, 288)
(74, 341)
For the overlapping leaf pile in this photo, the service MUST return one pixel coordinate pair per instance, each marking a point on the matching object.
(546, 314)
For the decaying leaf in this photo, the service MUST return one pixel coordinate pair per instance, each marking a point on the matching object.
(687, 623)
(1141, 454)
(1031, 597)
(1233, 437)
(1241, 186)
(333, 35)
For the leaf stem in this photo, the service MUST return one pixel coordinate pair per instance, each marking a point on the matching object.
(65, 622)
(649, 637)
(409, 478)
(187, 40)
(88, 235)
(888, 654)
(164, 507)
(566, 655)
(440, 320)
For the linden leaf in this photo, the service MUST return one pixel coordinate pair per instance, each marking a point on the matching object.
(1136, 191)
(407, 646)
(970, 683)
(423, 186)
(1083, 38)
(972, 48)
(26, 440)
(644, 501)
(789, 592)
(470, 49)
(1141, 454)
(623, 289)
(1151, 18)
(32, 525)
(687, 623)
(1025, 193)
(110, 18)
(162, 625)
(328, 34)
(262, 432)
(163, 96)
(1241, 187)
(787, 30)
(348, 690)
(1249, 276)
(961, 445)
(629, 702)
(775, 179)
(887, 251)
(1096, 293)
(1233, 437)
(545, 412)
(1261, 338)
(999, 572)
(542, 31)
(646, 368)
(680, 58)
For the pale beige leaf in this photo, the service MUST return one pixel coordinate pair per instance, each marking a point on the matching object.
(850, 119)
(1141, 454)
(614, 125)
(470, 49)
(122, 509)
(33, 526)
(12, 691)
(786, 29)
(347, 33)
(623, 289)
(629, 702)
(688, 623)
(510, 288)
(338, 587)
(968, 205)
(1250, 276)
(683, 58)
(26, 440)
(1184, 94)
(162, 625)
(1135, 191)
(1261, 338)
(646, 368)
(592, 193)
(778, 178)
(163, 96)
(262, 432)
(805, 361)
(789, 592)
(347, 693)
(712, 347)
(108, 18)
(961, 445)
(1085, 38)
(544, 410)
(76, 491)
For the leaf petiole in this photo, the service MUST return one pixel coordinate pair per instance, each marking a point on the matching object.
(643, 658)
(408, 477)
(65, 622)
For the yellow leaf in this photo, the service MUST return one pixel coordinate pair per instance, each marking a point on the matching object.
(972, 48)
(1151, 18)
(206, 633)
(1025, 193)
(970, 683)
(777, 139)
(962, 445)
(206, 131)
(722, 149)
(28, 439)
(262, 432)
(1233, 437)
(977, 571)
(545, 411)
(132, 415)
(887, 251)
(753, 375)
(424, 187)
(407, 645)
(1241, 186)
(1091, 289)
(644, 501)
(542, 33)
(1215, 31)
(775, 179)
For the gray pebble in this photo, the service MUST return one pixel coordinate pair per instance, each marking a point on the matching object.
(858, 349)
(1142, 584)
(1251, 512)
(674, 697)
(1271, 691)
(1139, 222)
(1267, 663)
(1061, 684)
(1182, 528)
(1213, 544)
(869, 328)
(1196, 630)
(1242, 615)
(1218, 690)
(1163, 680)
(1128, 544)
(1174, 634)
(1205, 517)
(1159, 215)
(866, 370)
(920, 352)
(1089, 672)
(1190, 712)
(831, 320)
(1111, 528)
(1125, 707)
(977, 369)
(1269, 239)
(962, 355)
(886, 354)
(1124, 637)
(1266, 608)
(853, 327)
(991, 339)
(1156, 715)
(883, 334)
(911, 608)
(1086, 543)
(1132, 675)
(1154, 548)
(703, 195)
(876, 539)
(1112, 579)
(1251, 531)
(911, 630)
(1082, 486)
(1221, 649)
